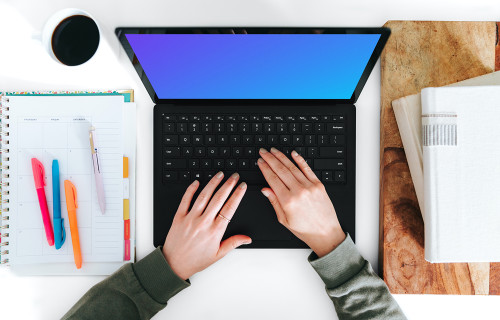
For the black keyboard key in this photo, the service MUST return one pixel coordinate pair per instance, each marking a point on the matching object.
(237, 152)
(242, 118)
(267, 118)
(169, 118)
(170, 140)
(231, 127)
(338, 118)
(183, 118)
(231, 118)
(249, 152)
(207, 118)
(290, 118)
(339, 176)
(324, 164)
(206, 164)
(243, 164)
(187, 151)
(218, 127)
(194, 163)
(301, 151)
(184, 176)
(212, 151)
(257, 127)
(168, 127)
(208, 176)
(269, 128)
(175, 164)
(196, 175)
(219, 118)
(234, 139)
(182, 127)
(231, 164)
(244, 128)
(260, 140)
(312, 152)
(314, 118)
(294, 128)
(194, 118)
(331, 152)
(197, 139)
(210, 140)
(326, 118)
(272, 140)
(337, 140)
(287, 151)
(335, 128)
(206, 128)
(281, 128)
(185, 139)
(302, 118)
(199, 151)
(222, 139)
(319, 128)
(327, 176)
(339, 164)
(298, 140)
(307, 128)
(285, 140)
(218, 164)
(323, 140)
(254, 118)
(309, 140)
(172, 152)
(224, 151)
(247, 139)
(169, 176)
(278, 118)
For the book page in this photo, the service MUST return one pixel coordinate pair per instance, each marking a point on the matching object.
(48, 128)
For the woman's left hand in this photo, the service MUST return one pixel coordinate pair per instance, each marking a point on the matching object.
(194, 240)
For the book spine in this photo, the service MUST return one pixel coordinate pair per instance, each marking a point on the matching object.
(430, 214)
(5, 180)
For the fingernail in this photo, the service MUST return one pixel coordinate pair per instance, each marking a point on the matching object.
(247, 242)
(219, 174)
(243, 185)
(235, 175)
(195, 182)
(265, 193)
(262, 150)
(260, 160)
(294, 153)
(274, 150)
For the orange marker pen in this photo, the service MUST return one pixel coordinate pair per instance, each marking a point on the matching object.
(70, 191)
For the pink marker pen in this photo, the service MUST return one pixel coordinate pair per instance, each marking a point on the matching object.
(38, 175)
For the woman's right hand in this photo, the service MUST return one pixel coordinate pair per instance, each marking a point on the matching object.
(300, 201)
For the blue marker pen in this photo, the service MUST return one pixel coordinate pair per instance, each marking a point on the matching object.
(59, 232)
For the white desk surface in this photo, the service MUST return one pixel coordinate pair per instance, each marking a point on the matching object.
(247, 284)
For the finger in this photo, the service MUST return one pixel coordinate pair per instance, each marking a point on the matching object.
(230, 207)
(281, 171)
(232, 243)
(205, 195)
(221, 196)
(290, 166)
(187, 198)
(280, 213)
(301, 162)
(274, 181)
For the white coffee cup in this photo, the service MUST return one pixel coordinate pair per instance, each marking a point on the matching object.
(47, 34)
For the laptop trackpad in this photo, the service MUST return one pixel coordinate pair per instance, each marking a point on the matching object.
(257, 219)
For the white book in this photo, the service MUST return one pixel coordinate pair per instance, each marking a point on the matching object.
(408, 112)
(461, 161)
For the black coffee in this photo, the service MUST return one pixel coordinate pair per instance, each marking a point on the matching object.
(75, 40)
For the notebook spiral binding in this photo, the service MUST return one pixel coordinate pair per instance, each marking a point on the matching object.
(4, 184)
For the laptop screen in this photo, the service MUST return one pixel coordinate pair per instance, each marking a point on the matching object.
(253, 66)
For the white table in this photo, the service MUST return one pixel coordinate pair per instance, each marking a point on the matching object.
(247, 284)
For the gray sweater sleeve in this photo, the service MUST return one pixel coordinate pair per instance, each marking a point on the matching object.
(356, 291)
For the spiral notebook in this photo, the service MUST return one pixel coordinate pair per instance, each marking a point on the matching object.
(49, 127)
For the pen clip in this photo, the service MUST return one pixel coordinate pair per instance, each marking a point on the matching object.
(63, 232)
(73, 193)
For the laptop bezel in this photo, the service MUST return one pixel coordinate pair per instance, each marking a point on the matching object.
(122, 31)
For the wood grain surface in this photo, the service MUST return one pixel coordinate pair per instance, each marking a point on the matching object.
(421, 54)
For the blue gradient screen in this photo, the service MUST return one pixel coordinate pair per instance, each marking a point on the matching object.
(253, 66)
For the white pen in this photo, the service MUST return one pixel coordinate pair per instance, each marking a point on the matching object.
(97, 171)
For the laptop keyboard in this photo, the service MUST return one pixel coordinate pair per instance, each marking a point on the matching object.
(197, 147)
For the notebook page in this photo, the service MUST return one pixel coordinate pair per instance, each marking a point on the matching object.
(51, 128)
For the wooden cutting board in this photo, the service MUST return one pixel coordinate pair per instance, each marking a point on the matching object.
(421, 54)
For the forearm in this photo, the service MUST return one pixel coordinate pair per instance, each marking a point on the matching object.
(356, 291)
(135, 291)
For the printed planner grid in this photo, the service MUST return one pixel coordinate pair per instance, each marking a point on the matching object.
(67, 140)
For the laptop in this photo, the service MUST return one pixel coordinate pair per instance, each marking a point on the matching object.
(222, 93)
